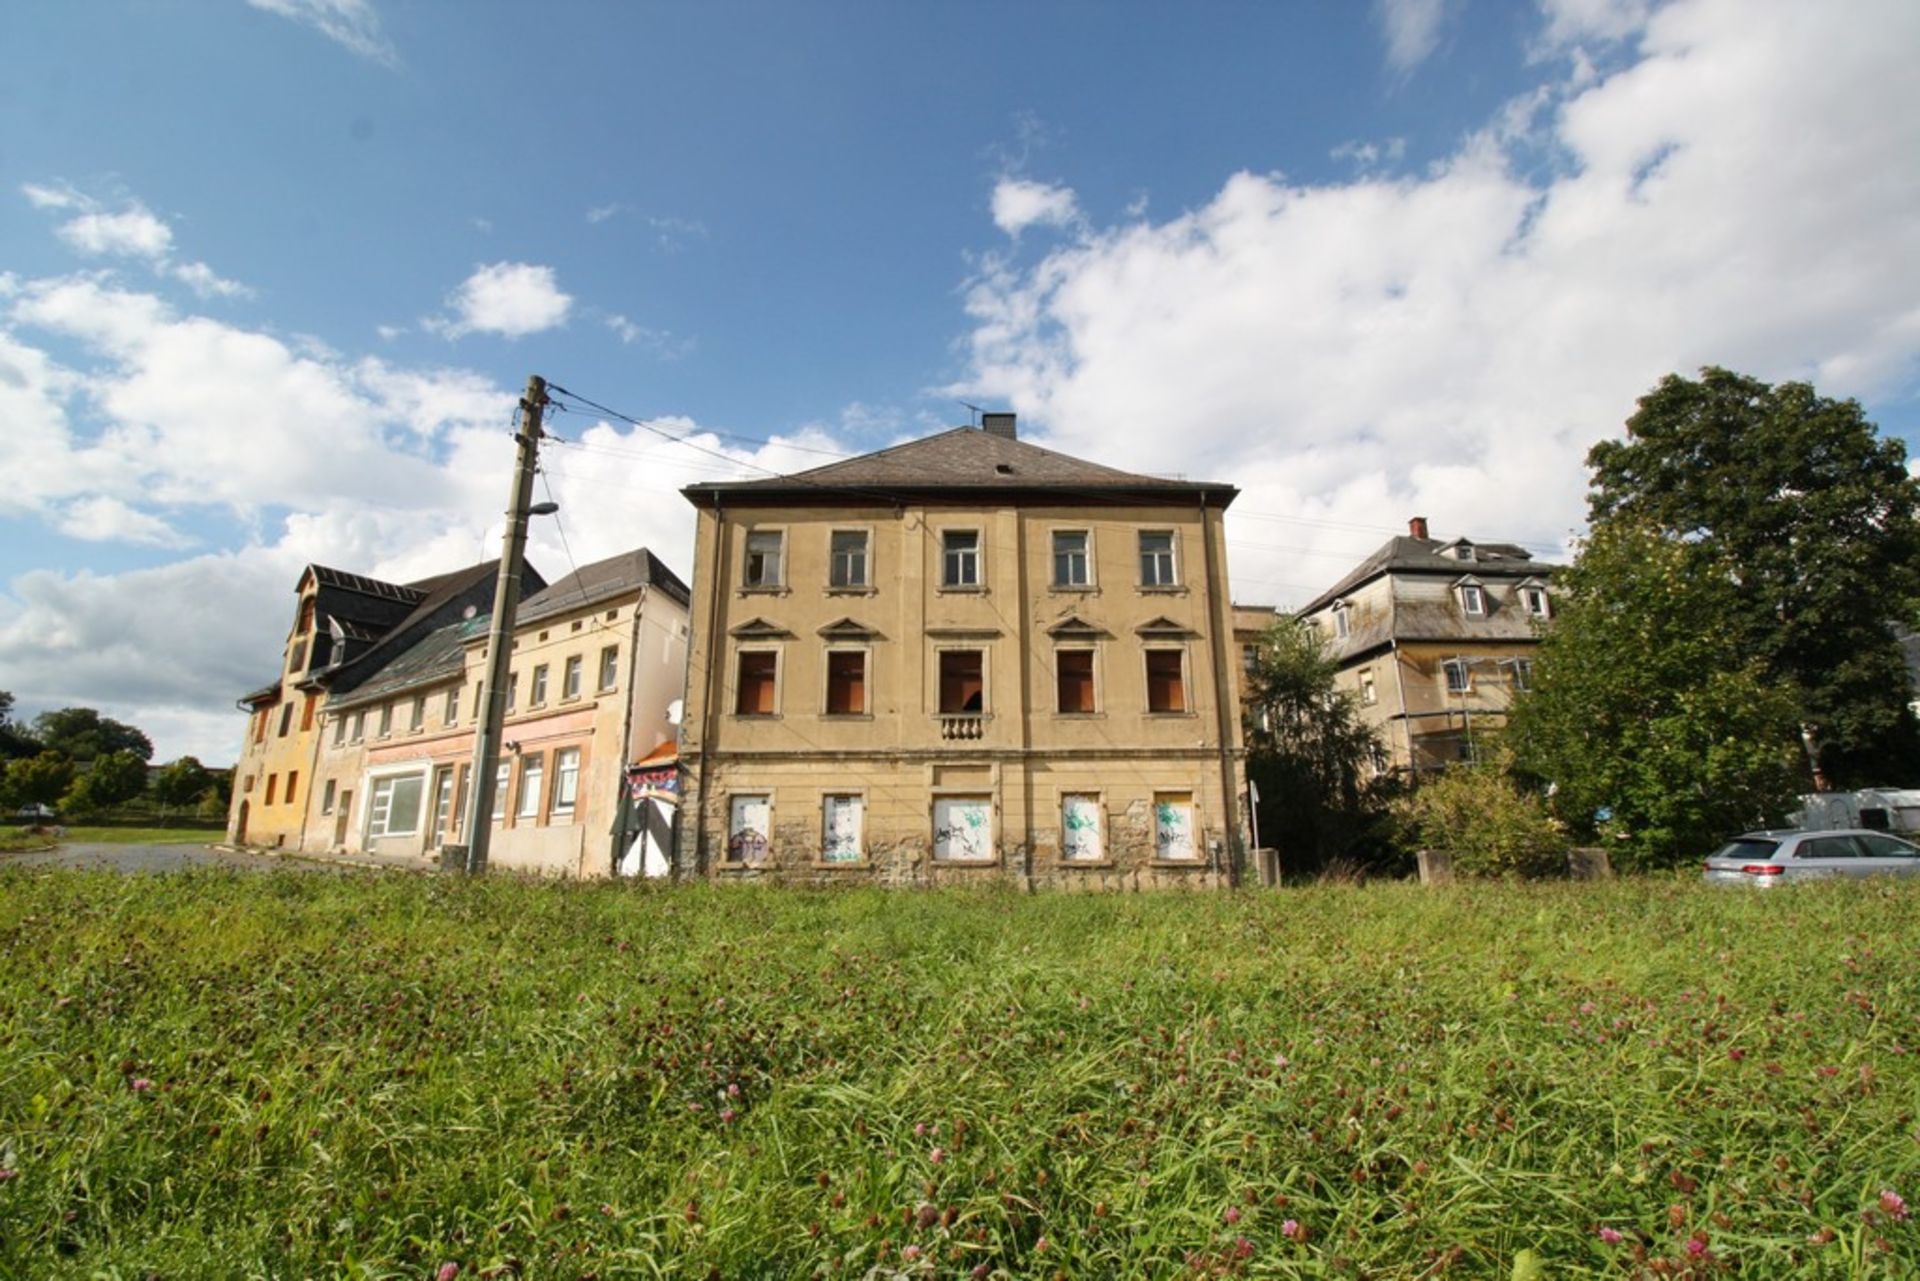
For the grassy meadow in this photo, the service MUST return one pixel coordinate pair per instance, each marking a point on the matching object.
(224, 1075)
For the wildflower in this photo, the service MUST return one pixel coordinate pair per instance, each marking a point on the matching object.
(938, 1156)
(733, 1089)
(8, 1174)
(1611, 1236)
(1696, 1245)
(140, 1085)
(448, 1271)
(1291, 1230)
(1892, 1204)
(1233, 1214)
(1040, 1246)
(910, 1252)
(727, 1115)
(1242, 1248)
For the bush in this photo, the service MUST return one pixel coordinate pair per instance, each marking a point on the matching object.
(1489, 826)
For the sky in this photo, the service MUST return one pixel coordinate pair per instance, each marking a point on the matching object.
(273, 273)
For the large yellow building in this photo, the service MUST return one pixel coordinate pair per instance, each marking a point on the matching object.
(958, 658)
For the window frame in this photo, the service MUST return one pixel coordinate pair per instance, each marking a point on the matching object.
(417, 717)
(1092, 652)
(386, 721)
(1196, 832)
(940, 653)
(1369, 690)
(1087, 581)
(838, 650)
(537, 687)
(1147, 653)
(976, 556)
(1102, 855)
(733, 850)
(566, 766)
(1536, 602)
(1464, 685)
(380, 808)
(1473, 599)
(1172, 554)
(740, 654)
(286, 720)
(1342, 620)
(834, 554)
(573, 677)
(609, 669)
(763, 581)
(859, 796)
(533, 769)
(951, 798)
(450, 710)
(327, 792)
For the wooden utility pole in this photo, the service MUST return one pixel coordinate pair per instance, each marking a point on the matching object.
(506, 601)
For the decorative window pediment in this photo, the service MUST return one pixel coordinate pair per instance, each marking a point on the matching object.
(1164, 628)
(759, 629)
(849, 629)
(1074, 627)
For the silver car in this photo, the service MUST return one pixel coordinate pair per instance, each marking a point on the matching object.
(1774, 858)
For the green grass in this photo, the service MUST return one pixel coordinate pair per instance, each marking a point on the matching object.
(115, 834)
(373, 1076)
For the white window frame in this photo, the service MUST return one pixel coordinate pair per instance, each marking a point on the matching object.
(1171, 554)
(537, 688)
(533, 787)
(1535, 599)
(1085, 560)
(340, 730)
(451, 712)
(380, 804)
(865, 580)
(974, 557)
(444, 776)
(326, 796)
(1464, 683)
(1342, 620)
(386, 720)
(566, 781)
(609, 669)
(772, 573)
(1369, 694)
(572, 677)
(1473, 600)
(417, 720)
(502, 785)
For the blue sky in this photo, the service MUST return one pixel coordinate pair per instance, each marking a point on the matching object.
(270, 272)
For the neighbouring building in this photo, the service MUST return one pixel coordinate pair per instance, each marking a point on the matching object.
(1434, 639)
(346, 627)
(600, 656)
(963, 657)
(1250, 624)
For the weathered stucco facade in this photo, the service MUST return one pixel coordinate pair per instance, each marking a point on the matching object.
(964, 658)
(1434, 640)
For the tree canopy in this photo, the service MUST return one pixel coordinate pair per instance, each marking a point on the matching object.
(83, 734)
(14, 741)
(1309, 754)
(1810, 521)
(111, 780)
(182, 783)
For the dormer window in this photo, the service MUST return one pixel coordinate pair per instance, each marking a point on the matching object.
(1533, 595)
(1473, 597)
(1342, 620)
(1462, 550)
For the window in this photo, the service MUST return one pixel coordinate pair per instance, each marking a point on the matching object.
(460, 800)
(339, 730)
(386, 719)
(1342, 621)
(1166, 683)
(609, 667)
(418, 721)
(286, 718)
(963, 828)
(846, 682)
(293, 783)
(537, 692)
(1473, 600)
(326, 797)
(1459, 681)
(847, 558)
(1249, 659)
(960, 558)
(273, 784)
(451, 712)
(1070, 558)
(749, 827)
(1535, 599)
(842, 825)
(962, 690)
(570, 677)
(1081, 839)
(260, 720)
(759, 675)
(1173, 826)
(763, 558)
(1156, 558)
(566, 780)
(479, 696)
(246, 783)
(533, 777)
(442, 797)
(502, 779)
(1368, 694)
(1073, 679)
(306, 712)
(359, 726)
(1523, 673)
(395, 806)
(513, 689)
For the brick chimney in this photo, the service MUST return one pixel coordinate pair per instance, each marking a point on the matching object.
(1417, 527)
(999, 425)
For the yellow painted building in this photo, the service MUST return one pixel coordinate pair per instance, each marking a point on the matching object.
(964, 657)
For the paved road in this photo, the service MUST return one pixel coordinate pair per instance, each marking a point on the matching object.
(157, 858)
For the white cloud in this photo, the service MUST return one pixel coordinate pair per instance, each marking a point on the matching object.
(352, 24)
(62, 197)
(1411, 28)
(661, 342)
(512, 299)
(600, 213)
(1019, 204)
(206, 282)
(108, 520)
(133, 232)
(1740, 191)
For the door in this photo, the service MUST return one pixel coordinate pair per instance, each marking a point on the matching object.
(340, 820)
(240, 825)
(442, 805)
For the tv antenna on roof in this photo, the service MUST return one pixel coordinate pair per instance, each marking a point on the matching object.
(973, 419)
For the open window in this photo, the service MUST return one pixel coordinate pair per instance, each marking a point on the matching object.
(757, 687)
(1166, 680)
(1073, 682)
(962, 682)
(846, 682)
(763, 567)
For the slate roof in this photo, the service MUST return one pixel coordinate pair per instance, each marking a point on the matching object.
(1405, 554)
(440, 655)
(964, 459)
(602, 580)
(433, 596)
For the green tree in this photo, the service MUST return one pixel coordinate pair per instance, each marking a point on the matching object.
(14, 741)
(1309, 754)
(1794, 501)
(1478, 814)
(181, 783)
(111, 780)
(1653, 728)
(83, 733)
(38, 780)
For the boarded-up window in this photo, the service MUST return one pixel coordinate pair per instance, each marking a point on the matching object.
(273, 784)
(963, 828)
(293, 784)
(749, 828)
(1080, 836)
(758, 669)
(1173, 825)
(842, 820)
(846, 682)
(1166, 686)
(1074, 673)
(306, 712)
(961, 688)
